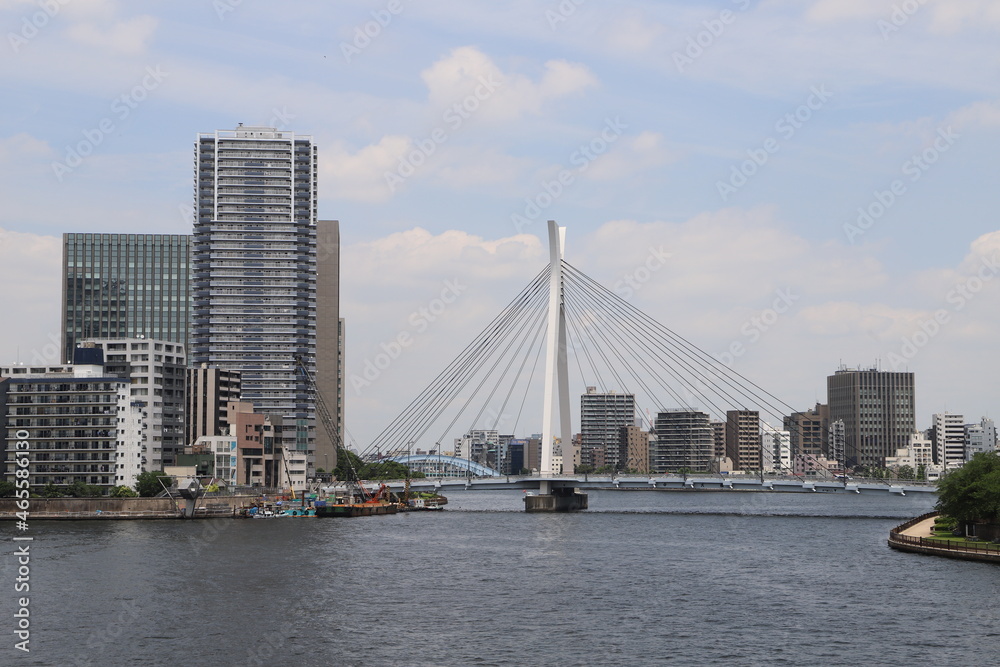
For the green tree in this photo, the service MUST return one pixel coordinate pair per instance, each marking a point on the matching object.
(349, 465)
(972, 493)
(7, 489)
(584, 469)
(81, 490)
(123, 492)
(905, 472)
(50, 490)
(148, 483)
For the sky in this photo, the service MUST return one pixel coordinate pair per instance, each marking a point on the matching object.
(831, 159)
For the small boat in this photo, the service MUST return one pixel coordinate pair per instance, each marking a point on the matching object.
(434, 504)
(299, 512)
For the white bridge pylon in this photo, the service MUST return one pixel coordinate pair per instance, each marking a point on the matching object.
(556, 396)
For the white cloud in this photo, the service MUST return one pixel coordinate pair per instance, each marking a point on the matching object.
(361, 176)
(17, 148)
(846, 10)
(634, 32)
(126, 37)
(631, 155)
(468, 72)
(985, 113)
(955, 16)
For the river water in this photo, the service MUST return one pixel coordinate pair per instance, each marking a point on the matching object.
(643, 578)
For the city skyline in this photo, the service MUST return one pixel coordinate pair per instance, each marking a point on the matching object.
(781, 275)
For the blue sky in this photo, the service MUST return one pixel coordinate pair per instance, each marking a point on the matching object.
(674, 95)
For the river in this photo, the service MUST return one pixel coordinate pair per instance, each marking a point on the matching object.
(643, 578)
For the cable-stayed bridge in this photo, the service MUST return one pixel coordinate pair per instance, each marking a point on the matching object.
(523, 358)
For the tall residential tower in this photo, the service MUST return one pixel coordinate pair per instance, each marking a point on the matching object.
(255, 269)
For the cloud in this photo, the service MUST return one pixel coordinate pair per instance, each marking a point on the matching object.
(631, 155)
(17, 148)
(985, 114)
(468, 72)
(421, 255)
(955, 16)
(846, 10)
(360, 176)
(634, 33)
(126, 37)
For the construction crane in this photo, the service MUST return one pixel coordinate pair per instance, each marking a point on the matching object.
(326, 419)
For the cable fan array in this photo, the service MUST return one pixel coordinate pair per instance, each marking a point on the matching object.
(611, 345)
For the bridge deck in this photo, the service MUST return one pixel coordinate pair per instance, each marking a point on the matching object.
(667, 482)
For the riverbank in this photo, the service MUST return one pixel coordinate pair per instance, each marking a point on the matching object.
(915, 536)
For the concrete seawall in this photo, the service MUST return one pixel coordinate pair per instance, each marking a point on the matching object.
(120, 508)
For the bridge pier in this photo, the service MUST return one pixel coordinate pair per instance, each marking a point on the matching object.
(561, 499)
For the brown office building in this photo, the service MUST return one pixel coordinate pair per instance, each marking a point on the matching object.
(743, 439)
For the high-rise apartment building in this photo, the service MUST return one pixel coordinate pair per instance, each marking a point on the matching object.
(877, 408)
(155, 370)
(258, 278)
(684, 439)
(743, 444)
(125, 286)
(601, 418)
(948, 436)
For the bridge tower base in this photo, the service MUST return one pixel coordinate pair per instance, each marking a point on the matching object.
(559, 500)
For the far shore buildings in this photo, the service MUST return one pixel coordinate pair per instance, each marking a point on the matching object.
(980, 438)
(156, 371)
(125, 286)
(81, 424)
(877, 409)
(948, 436)
(602, 415)
(743, 444)
(685, 440)
(208, 393)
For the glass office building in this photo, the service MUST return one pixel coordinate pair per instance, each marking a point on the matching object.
(125, 286)
(254, 259)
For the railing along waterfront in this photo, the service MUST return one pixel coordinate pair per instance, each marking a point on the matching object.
(896, 535)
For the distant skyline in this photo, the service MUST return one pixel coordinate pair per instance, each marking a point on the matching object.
(790, 184)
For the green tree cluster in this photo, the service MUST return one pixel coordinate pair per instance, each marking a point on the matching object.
(148, 483)
(972, 493)
(350, 467)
